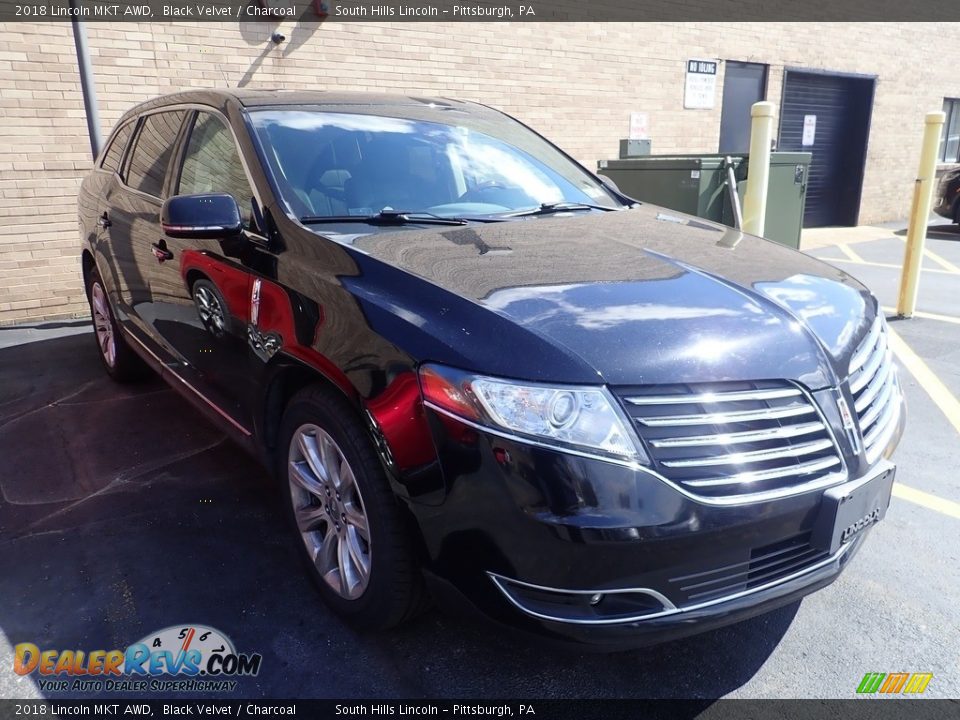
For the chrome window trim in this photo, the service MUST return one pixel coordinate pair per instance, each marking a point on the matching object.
(188, 107)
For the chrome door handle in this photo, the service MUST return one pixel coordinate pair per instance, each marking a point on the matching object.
(161, 253)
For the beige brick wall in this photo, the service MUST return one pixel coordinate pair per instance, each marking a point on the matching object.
(575, 82)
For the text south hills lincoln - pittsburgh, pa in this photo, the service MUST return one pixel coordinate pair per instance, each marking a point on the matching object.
(373, 10)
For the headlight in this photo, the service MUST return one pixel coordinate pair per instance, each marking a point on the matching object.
(585, 419)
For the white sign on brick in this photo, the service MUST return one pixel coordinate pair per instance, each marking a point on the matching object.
(809, 130)
(700, 88)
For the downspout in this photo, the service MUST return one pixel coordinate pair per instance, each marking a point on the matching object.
(86, 81)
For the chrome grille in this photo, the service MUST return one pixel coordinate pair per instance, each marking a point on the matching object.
(734, 440)
(876, 395)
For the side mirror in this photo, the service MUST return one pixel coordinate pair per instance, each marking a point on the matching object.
(214, 216)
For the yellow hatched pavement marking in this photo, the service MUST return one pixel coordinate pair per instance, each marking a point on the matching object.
(851, 253)
(883, 265)
(924, 499)
(949, 406)
(934, 387)
(945, 264)
(942, 262)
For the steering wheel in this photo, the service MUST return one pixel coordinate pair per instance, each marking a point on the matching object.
(475, 194)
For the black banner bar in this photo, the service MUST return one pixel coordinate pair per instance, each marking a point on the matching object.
(860, 709)
(320, 11)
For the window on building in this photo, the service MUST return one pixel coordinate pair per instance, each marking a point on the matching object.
(950, 139)
(114, 153)
(212, 164)
(152, 151)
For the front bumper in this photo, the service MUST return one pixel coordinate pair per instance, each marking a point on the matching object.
(531, 536)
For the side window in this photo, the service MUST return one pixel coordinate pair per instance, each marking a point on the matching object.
(212, 164)
(152, 150)
(114, 153)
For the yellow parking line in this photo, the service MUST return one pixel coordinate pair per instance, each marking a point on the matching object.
(926, 315)
(949, 406)
(942, 262)
(924, 499)
(934, 387)
(945, 264)
(850, 253)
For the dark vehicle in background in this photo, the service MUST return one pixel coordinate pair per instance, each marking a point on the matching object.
(480, 374)
(947, 201)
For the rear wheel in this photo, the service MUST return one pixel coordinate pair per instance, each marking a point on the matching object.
(119, 360)
(211, 307)
(349, 528)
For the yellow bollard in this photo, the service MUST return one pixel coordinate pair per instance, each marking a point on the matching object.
(758, 171)
(919, 214)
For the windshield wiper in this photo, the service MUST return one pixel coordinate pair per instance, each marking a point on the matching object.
(558, 207)
(386, 217)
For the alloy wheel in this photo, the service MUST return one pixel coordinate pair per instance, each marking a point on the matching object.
(329, 511)
(103, 324)
(210, 309)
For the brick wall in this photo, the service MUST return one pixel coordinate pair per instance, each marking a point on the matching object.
(575, 82)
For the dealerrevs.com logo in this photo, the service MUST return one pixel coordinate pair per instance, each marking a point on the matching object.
(185, 658)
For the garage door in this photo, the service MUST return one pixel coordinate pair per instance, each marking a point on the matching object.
(828, 116)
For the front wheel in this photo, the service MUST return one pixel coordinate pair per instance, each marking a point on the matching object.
(349, 527)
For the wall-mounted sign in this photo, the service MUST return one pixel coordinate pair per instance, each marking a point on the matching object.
(639, 126)
(809, 130)
(701, 84)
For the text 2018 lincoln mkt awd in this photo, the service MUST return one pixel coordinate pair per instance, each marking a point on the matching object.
(481, 373)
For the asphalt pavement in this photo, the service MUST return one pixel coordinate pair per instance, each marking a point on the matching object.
(123, 512)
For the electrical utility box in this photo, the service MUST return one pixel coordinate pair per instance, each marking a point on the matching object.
(697, 185)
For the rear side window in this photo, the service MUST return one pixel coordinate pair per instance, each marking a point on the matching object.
(212, 164)
(114, 153)
(152, 151)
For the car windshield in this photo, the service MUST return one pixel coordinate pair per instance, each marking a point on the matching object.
(332, 164)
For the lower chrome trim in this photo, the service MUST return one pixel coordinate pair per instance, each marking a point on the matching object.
(222, 413)
(669, 607)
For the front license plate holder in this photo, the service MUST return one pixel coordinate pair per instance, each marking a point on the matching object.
(849, 509)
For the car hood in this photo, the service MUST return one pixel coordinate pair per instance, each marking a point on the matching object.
(647, 295)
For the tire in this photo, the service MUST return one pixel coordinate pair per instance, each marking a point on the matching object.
(351, 535)
(118, 358)
(211, 307)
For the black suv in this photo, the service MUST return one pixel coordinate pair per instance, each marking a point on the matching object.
(481, 373)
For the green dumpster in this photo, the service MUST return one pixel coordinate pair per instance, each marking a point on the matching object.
(697, 185)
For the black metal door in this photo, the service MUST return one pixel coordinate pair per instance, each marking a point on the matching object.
(743, 85)
(828, 116)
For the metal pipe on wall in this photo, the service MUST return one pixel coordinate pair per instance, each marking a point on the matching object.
(86, 81)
